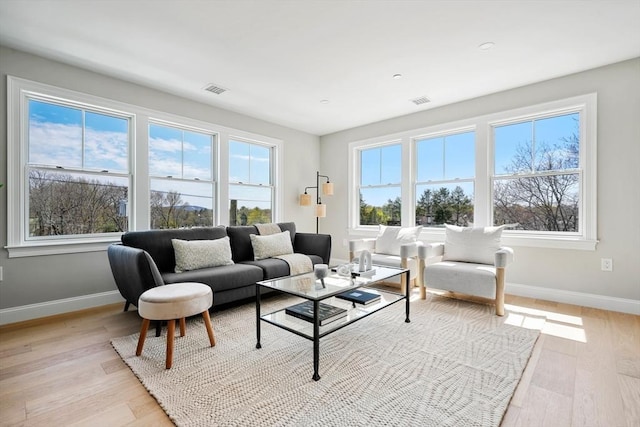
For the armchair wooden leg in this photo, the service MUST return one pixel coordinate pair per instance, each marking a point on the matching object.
(423, 292)
(421, 283)
(207, 324)
(143, 336)
(500, 291)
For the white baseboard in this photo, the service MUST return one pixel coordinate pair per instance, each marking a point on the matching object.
(603, 302)
(50, 308)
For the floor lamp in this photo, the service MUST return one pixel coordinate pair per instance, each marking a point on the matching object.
(321, 208)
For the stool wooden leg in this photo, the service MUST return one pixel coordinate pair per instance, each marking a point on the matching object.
(143, 336)
(171, 328)
(183, 327)
(207, 323)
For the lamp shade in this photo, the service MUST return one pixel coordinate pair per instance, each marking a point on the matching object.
(305, 199)
(327, 188)
(321, 210)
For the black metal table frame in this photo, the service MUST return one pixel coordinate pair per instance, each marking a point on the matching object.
(404, 274)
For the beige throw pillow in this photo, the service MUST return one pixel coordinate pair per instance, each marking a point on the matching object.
(390, 239)
(271, 245)
(468, 244)
(195, 254)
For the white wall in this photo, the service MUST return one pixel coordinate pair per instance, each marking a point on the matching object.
(54, 283)
(561, 275)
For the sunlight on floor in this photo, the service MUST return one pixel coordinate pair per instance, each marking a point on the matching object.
(550, 323)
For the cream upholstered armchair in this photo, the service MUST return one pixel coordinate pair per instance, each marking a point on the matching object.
(471, 261)
(393, 247)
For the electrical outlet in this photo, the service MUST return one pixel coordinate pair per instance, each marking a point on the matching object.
(606, 264)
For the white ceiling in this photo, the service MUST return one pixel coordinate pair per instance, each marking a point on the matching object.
(280, 58)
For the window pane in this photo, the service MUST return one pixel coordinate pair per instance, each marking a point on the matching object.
(542, 203)
(55, 135)
(180, 204)
(391, 164)
(239, 155)
(62, 203)
(430, 159)
(513, 148)
(557, 142)
(197, 155)
(370, 164)
(440, 204)
(380, 206)
(260, 165)
(165, 151)
(249, 205)
(106, 142)
(459, 159)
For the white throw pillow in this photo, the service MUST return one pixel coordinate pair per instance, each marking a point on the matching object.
(390, 239)
(195, 254)
(271, 245)
(471, 244)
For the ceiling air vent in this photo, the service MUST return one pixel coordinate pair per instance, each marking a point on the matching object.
(421, 100)
(215, 89)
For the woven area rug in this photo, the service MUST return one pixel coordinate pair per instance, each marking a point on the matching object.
(455, 364)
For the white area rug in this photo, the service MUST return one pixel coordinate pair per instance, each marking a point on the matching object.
(455, 364)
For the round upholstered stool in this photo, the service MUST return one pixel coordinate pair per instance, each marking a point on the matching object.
(171, 302)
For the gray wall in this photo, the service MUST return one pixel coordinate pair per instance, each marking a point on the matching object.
(33, 280)
(554, 272)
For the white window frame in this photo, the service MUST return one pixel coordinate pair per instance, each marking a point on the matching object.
(483, 199)
(139, 191)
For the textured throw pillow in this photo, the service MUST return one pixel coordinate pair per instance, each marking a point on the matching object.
(390, 239)
(271, 245)
(468, 244)
(195, 254)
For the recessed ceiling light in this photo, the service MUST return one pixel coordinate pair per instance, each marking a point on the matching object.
(486, 45)
(397, 76)
(324, 101)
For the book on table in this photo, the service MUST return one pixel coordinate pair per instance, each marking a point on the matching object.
(361, 297)
(328, 313)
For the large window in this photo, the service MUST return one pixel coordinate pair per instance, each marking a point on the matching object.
(77, 168)
(445, 174)
(83, 169)
(380, 185)
(533, 169)
(181, 171)
(250, 183)
(536, 182)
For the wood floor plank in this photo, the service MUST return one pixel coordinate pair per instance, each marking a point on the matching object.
(630, 391)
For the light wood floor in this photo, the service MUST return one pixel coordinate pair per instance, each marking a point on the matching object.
(584, 371)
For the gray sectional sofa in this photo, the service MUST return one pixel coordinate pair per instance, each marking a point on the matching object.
(145, 259)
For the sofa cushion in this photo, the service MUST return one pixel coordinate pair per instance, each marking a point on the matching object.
(271, 245)
(271, 267)
(241, 242)
(222, 278)
(390, 239)
(158, 242)
(195, 254)
(469, 244)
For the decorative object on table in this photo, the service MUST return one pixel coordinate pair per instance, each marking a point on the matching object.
(364, 263)
(327, 190)
(359, 296)
(321, 271)
(343, 270)
(328, 313)
(347, 270)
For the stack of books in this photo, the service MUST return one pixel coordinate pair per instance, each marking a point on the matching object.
(360, 297)
(327, 313)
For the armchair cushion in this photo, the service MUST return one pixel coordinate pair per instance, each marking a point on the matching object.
(467, 244)
(390, 239)
(463, 277)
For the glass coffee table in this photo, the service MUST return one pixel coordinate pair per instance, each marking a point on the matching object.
(320, 294)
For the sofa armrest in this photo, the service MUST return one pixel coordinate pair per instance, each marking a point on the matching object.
(503, 257)
(134, 271)
(313, 244)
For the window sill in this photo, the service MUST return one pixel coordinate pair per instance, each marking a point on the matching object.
(58, 248)
(531, 241)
